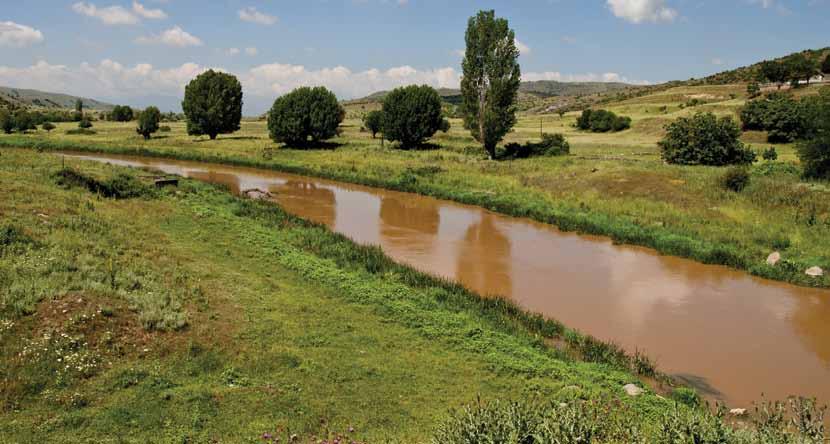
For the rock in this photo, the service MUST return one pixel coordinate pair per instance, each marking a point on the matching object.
(633, 390)
(255, 193)
(737, 412)
(773, 259)
(815, 272)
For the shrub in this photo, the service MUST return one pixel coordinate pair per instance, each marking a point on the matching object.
(551, 145)
(445, 126)
(48, 127)
(687, 396)
(411, 115)
(770, 154)
(165, 129)
(785, 118)
(814, 153)
(6, 121)
(23, 121)
(373, 121)
(81, 132)
(753, 90)
(121, 114)
(213, 104)
(704, 140)
(602, 121)
(303, 114)
(735, 179)
(85, 123)
(148, 122)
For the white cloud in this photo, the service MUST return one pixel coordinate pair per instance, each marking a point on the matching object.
(523, 49)
(232, 51)
(251, 51)
(717, 61)
(250, 14)
(640, 11)
(587, 77)
(18, 36)
(174, 36)
(110, 15)
(154, 14)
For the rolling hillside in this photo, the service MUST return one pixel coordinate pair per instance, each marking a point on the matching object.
(41, 99)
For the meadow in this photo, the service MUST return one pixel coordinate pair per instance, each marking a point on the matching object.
(612, 184)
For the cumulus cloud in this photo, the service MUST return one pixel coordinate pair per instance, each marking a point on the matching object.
(110, 15)
(640, 11)
(523, 49)
(18, 36)
(153, 14)
(175, 36)
(110, 80)
(250, 14)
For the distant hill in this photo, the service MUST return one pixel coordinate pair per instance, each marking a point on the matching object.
(538, 89)
(751, 72)
(41, 99)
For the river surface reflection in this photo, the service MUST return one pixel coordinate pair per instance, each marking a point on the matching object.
(731, 335)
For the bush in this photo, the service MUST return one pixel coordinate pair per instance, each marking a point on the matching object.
(23, 121)
(373, 121)
(753, 90)
(815, 152)
(48, 127)
(148, 122)
(704, 140)
(445, 126)
(602, 121)
(85, 123)
(6, 121)
(121, 114)
(165, 129)
(81, 132)
(213, 104)
(735, 179)
(784, 118)
(551, 145)
(686, 396)
(411, 115)
(303, 114)
(770, 154)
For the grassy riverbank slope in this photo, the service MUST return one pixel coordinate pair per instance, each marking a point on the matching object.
(611, 184)
(189, 315)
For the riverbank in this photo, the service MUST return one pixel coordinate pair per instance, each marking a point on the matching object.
(190, 314)
(624, 192)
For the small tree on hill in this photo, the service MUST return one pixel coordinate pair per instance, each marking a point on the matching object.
(48, 126)
(213, 104)
(825, 66)
(705, 140)
(148, 122)
(753, 90)
(373, 121)
(491, 79)
(411, 115)
(814, 153)
(23, 121)
(800, 67)
(303, 114)
(775, 72)
(6, 121)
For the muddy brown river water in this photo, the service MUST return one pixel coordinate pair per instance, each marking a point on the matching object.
(731, 335)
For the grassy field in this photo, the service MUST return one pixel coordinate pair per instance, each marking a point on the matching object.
(189, 315)
(611, 184)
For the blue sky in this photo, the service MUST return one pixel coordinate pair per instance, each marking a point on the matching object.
(145, 52)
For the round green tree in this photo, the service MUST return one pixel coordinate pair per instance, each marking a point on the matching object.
(148, 122)
(411, 115)
(373, 121)
(305, 115)
(48, 126)
(213, 104)
(705, 139)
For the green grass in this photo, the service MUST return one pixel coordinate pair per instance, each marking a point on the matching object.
(611, 184)
(190, 315)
